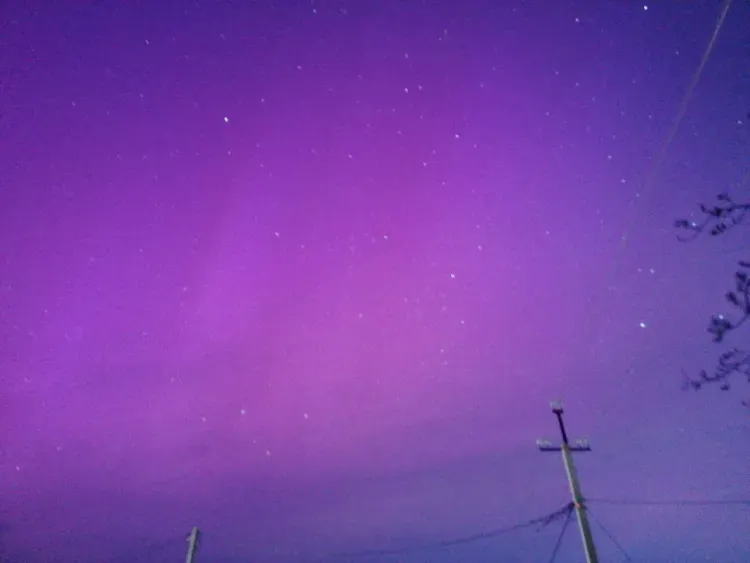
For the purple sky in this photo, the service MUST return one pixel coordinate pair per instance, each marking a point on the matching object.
(307, 275)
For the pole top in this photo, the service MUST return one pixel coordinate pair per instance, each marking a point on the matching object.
(556, 406)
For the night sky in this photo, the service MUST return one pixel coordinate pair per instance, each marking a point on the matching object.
(307, 275)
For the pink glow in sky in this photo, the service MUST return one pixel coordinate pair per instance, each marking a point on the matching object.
(307, 275)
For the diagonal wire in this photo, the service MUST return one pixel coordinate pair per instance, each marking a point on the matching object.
(558, 543)
(610, 536)
(542, 521)
(653, 170)
(693, 83)
(645, 502)
(682, 110)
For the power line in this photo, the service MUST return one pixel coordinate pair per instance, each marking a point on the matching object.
(681, 111)
(558, 543)
(693, 83)
(611, 537)
(645, 502)
(542, 521)
(652, 171)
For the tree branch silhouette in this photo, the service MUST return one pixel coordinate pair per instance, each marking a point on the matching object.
(724, 215)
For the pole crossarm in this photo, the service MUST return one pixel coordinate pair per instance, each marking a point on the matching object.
(545, 446)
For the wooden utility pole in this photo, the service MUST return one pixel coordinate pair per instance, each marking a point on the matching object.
(567, 450)
(192, 539)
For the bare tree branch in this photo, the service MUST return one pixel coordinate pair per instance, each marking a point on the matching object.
(717, 220)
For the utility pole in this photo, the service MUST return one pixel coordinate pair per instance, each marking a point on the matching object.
(567, 450)
(192, 539)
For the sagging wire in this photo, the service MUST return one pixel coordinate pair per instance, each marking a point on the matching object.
(558, 543)
(541, 522)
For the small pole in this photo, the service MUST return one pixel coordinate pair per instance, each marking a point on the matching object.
(575, 488)
(192, 540)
